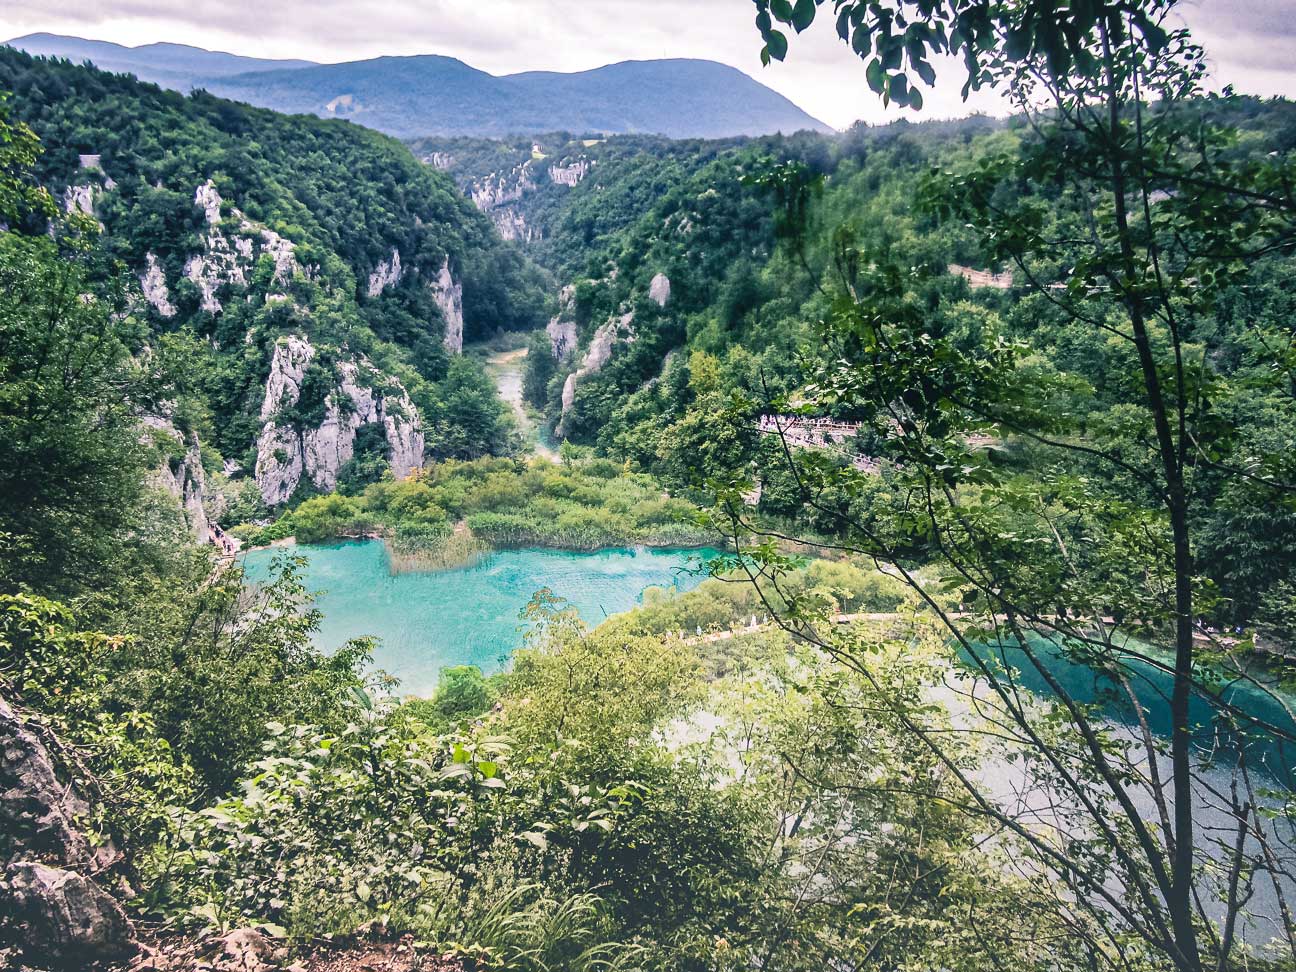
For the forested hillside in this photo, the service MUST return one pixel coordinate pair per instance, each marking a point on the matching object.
(702, 296)
(565, 195)
(263, 250)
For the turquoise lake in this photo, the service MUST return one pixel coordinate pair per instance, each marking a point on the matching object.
(467, 616)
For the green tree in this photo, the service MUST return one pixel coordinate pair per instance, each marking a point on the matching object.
(71, 457)
(1166, 221)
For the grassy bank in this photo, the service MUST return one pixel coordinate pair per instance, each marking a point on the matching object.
(450, 513)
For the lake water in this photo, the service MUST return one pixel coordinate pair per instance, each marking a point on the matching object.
(467, 616)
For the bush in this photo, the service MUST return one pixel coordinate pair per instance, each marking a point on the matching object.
(326, 517)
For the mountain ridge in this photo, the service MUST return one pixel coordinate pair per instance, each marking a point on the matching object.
(431, 94)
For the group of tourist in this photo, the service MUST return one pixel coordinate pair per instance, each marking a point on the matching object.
(228, 545)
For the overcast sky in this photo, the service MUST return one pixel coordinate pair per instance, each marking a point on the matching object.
(1251, 43)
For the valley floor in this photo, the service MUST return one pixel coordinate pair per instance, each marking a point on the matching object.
(506, 367)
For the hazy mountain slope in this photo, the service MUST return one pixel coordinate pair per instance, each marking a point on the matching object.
(170, 65)
(430, 95)
(435, 95)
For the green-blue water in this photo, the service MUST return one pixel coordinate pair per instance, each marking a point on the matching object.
(467, 616)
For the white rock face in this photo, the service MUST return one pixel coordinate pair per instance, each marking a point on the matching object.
(284, 454)
(281, 250)
(287, 369)
(439, 160)
(562, 337)
(659, 290)
(227, 259)
(499, 188)
(562, 333)
(153, 284)
(600, 350)
(387, 274)
(448, 294)
(568, 395)
(209, 200)
(187, 482)
(512, 225)
(571, 174)
(79, 199)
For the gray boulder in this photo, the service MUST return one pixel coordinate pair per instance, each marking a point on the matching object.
(62, 919)
(39, 816)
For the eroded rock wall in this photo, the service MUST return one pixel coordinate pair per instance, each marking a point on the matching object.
(286, 453)
(448, 294)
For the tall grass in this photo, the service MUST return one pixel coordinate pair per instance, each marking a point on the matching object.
(456, 549)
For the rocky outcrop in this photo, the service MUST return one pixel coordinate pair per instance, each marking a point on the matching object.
(570, 174)
(188, 484)
(153, 284)
(500, 188)
(63, 917)
(388, 273)
(39, 816)
(440, 160)
(184, 478)
(209, 200)
(448, 294)
(561, 329)
(285, 453)
(659, 290)
(227, 258)
(512, 225)
(597, 355)
(79, 199)
(49, 912)
(221, 262)
(282, 251)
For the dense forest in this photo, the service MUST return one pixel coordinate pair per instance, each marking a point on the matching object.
(226, 229)
(992, 423)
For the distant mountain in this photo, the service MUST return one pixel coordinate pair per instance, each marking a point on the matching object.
(434, 95)
(176, 66)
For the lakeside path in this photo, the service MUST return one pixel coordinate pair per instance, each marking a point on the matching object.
(506, 367)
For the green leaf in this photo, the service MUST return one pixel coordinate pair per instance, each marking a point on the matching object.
(777, 45)
(803, 15)
(782, 10)
(875, 76)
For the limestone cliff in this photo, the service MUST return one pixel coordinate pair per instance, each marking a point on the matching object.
(154, 286)
(562, 328)
(285, 453)
(448, 294)
(388, 273)
(498, 188)
(562, 337)
(571, 173)
(227, 256)
(596, 356)
(659, 290)
(184, 478)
